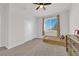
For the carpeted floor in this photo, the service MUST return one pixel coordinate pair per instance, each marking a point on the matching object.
(34, 47)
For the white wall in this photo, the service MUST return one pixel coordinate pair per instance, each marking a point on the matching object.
(22, 25)
(74, 18)
(0, 29)
(15, 26)
(30, 27)
(64, 23)
(0, 24)
(18, 25)
(3, 24)
(39, 27)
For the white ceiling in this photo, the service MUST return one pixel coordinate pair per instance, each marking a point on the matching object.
(50, 9)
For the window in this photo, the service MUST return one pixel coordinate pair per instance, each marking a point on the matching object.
(50, 23)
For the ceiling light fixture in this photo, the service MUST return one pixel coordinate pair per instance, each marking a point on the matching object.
(41, 5)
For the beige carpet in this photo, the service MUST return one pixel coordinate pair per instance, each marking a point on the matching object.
(34, 47)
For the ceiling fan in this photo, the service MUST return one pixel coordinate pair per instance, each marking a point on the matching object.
(42, 5)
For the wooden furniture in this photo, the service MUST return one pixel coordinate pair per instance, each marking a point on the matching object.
(55, 41)
(72, 45)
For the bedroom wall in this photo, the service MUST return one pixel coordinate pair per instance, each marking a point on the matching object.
(22, 25)
(3, 24)
(18, 25)
(64, 23)
(74, 18)
(0, 26)
(15, 26)
(30, 26)
(1, 7)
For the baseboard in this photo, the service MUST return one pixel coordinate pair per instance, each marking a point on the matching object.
(2, 45)
(9, 47)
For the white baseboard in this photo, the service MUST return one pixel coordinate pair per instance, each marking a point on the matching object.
(9, 47)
